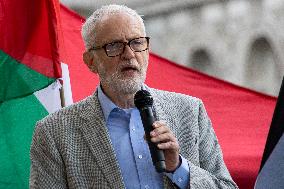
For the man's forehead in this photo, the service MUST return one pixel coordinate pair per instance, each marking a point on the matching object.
(116, 14)
(113, 19)
(118, 26)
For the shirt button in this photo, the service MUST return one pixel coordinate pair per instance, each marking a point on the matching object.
(140, 157)
(180, 180)
(147, 187)
(133, 129)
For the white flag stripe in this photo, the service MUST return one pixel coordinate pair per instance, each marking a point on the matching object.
(66, 85)
(50, 97)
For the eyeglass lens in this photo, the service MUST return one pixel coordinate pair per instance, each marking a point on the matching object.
(136, 45)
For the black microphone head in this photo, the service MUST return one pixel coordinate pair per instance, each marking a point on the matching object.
(142, 99)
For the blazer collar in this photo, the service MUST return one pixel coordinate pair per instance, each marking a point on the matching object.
(157, 108)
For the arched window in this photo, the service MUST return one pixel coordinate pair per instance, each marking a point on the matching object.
(261, 72)
(201, 60)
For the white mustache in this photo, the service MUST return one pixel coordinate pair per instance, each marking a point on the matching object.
(129, 64)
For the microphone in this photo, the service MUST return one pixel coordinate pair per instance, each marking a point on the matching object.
(144, 101)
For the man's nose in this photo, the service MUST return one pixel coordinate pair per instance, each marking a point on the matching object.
(127, 53)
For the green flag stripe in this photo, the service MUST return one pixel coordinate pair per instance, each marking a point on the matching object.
(17, 120)
(18, 80)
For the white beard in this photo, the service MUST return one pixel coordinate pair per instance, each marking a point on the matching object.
(122, 85)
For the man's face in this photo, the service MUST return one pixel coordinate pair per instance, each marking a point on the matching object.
(124, 73)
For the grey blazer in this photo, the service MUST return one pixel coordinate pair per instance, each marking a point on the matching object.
(71, 148)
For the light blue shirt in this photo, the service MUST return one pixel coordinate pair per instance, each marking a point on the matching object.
(132, 152)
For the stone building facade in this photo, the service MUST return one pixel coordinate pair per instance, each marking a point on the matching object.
(240, 41)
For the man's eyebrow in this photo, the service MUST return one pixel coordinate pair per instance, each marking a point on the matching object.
(129, 39)
(119, 40)
(113, 41)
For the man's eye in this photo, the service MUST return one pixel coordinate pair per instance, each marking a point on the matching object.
(137, 42)
(114, 46)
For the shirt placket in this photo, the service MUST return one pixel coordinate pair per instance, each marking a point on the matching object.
(141, 152)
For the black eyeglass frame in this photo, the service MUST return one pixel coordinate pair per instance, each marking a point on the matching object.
(124, 43)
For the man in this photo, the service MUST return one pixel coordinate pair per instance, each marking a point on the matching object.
(99, 142)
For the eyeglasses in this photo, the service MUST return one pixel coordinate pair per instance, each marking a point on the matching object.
(117, 48)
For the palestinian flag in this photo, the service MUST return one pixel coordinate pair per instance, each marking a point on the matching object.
(31, 75)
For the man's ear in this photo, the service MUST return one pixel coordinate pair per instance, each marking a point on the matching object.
(88, 58)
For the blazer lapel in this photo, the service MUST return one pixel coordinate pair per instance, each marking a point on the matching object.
(96, 135)
(158, 111)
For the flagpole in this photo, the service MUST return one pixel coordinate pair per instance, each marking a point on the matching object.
(61, 90)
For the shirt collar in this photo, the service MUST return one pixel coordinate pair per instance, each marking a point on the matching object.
(106, 104)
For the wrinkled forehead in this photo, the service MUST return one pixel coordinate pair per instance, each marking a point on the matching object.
(117, 26)
(107, 17)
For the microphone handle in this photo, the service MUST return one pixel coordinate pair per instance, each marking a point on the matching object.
(157, 155)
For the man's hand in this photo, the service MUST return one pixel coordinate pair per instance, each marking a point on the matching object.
(167, 142)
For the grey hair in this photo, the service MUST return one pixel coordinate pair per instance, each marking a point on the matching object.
(88, 31)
